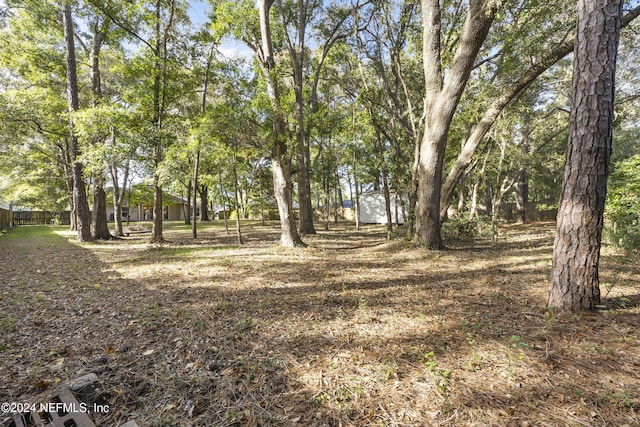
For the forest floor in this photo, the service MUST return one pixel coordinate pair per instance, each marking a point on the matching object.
(350, 331)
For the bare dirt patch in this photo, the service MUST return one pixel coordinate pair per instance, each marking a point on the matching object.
(349, 331)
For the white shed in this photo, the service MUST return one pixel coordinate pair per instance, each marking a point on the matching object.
(372, 208)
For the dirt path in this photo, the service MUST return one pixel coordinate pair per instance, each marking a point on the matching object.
(350, 331)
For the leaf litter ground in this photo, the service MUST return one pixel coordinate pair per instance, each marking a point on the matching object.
(350, 331)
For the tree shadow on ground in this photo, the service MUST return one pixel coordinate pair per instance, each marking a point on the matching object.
(388, 334)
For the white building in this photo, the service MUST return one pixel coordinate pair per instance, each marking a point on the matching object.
(373, 211)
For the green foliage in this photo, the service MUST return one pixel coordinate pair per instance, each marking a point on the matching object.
(623, 204)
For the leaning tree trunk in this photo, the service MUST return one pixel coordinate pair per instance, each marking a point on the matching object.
(80, 201)
(442, 96)
(574, 282)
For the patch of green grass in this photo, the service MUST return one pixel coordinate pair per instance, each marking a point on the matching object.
(7, 325)
(617, 398)
(349, 392)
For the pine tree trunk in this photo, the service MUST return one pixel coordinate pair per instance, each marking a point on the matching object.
(80, 201)
(193, 197)
(99, 215)
(575, 281)
(156, 229)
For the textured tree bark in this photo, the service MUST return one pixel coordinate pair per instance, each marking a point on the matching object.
(280, 161)
(441, 100)
(79, 191)
(99, 215)
(574, 282)
(158, 212)
(204, 203)
(194, 194)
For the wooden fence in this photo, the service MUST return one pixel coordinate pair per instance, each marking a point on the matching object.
(40, 218)
(5, 219)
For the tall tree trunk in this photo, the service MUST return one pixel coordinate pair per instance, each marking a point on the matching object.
(297, 54)
(158, 211)
(574, 282)
(237, 196)
(225, 204)
(73, 216)
(193, 196)
(186, 210)
(99, 214)
(159, 104)
(304, 161)
(204, 203)
(196, 167)
(441, 100)
(79, 191)
(280, 161)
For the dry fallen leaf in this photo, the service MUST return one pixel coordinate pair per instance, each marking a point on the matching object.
(57, 365)
(109, 350)
(43, 384)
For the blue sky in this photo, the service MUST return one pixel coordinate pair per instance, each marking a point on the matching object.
(198, 12)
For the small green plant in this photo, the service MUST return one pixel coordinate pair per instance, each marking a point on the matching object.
(348, 393)
(442, 376)
(427, 360)
(608, 287)
(387, 370)
(517, 342)
(618, 398)
(245, 324)
(626, 339)
(321, 398)
(551, 317)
